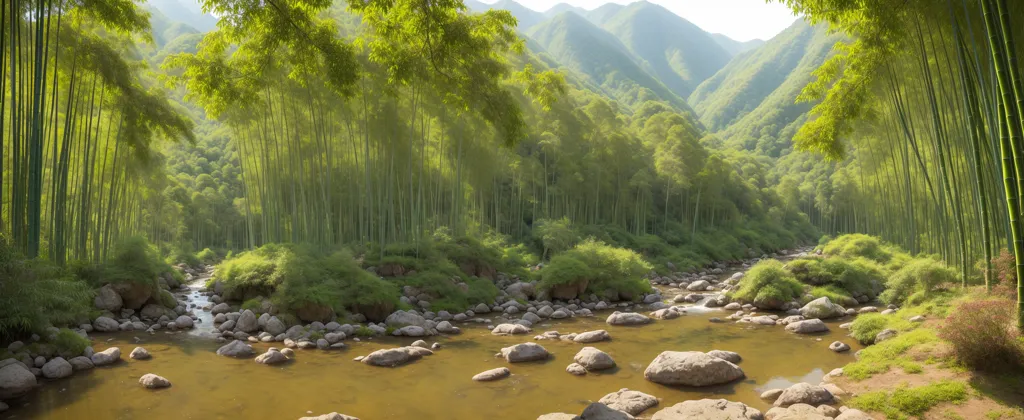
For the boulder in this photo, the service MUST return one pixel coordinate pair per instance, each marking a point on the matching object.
(15, 379)
(313, 312)
(247, 322)
(153, 311)
(395, 357)
(667, 313)
(885, 335)
(402, 319)
(729, 356)
(134, 294)
(570, 290)
(804, 393)
(446, 327)
(592, 336)
(510, 329)
(839, 346)
(853, 414)
(275, 326)
(139, 353)
(411, 331)
(330, 416)
(492, 375)
(576, 369)
(106, 357)
(525, 352)
(627, 318)
(809, 326)
(220, 308)
(237, 348)
(708, 409)
(822, 308)
(107, 299)
(184, 322)
(772, 394)
(520, 290)
(81, 363)
(629, 402)
(105, 324)
(691, 368)
(699, 285)
(151, 381)
(271, 357)
(796, 412)
(593, 359)
(598, 411)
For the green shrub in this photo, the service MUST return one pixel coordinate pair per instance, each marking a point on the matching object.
(363, 331)
(881, 357)
(842, 276)
(135, 260)
(983, 336)
(207, 256)
(35, 294)
(555, 236)
(69, 344)
(835, 294)
(866, 326)
(253, 304)
(609, 271)
(768, 285)
(182, 254)
(922, 275)
(906, 402)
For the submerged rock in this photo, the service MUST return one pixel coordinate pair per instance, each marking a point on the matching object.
(691, 368)
(237, 348)
(492, 375)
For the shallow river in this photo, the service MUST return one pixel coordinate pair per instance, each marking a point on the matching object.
(208, 386)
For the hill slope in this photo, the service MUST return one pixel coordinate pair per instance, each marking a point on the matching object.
(734, 47)
(671, 48)
(186, 12)
(527, 17)
(751, 102)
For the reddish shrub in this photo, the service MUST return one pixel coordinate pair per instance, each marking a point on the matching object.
(983, 335)
(1005, 266)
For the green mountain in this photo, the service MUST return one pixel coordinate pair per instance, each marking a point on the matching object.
(751, 102)
(576, 43)
(527, 17)
(565, 7)
(601, 14)
(187, 12)
(734, 47)
(677, 52)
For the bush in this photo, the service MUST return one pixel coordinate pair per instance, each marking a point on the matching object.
(253, 304)
(69, 344)
(609, 271)
(207, 256)
(841, 276)
(135, 260)
(866, 326)
(182, 254)
(983, 336)
(768, 286)
(860, 245)
(921, 276)
(35, 294)
(555, 236)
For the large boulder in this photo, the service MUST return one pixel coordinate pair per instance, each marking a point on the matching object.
(105, 324)
(627, 318)
(628, 401)
(106, 357)
(809, 326)
(525, 352)
(492, 375)
(570, 290)
(15, 379)
(151, 381)
(184, 322)
(220, 308)
(237, 348)
(396, 356)
(134, 294)
(402, 319)
(822, 308)
(247, 322)
(592, 336)
(804, 393)
(376, 312)
(599, 411)
(107, 299)
(153, 311)
(311, 312)
(271, 357)
(708, 409)
(510, 329)
(520, 290)
(594, 359)
(81, 363)
(275, 326)
(691, 368)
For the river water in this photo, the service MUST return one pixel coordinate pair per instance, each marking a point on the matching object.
(208, 386)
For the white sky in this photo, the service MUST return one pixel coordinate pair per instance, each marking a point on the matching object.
(741, 20)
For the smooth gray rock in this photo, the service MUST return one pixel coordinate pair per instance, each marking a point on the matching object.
(809, 326)
(139, 353)
(627, 318)
(708, 409)
(272, 357)
(629, 402)
(822, 308)
(81, 363)
(510, 329)
(691, 368)
(492, 375)
(15, 379)
(729, 356)
(184, 322)
(592, 336)
(804, 393)
(105, 324)
(106, 357)
(593, 359)
(237, 348)
(525, 352)
(151, 381)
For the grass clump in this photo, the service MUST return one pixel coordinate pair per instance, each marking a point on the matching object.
(866, 326)
(881, 357)
(768, 286)
(608, 271)
(905, 402)
(922, 276)
(69, 344)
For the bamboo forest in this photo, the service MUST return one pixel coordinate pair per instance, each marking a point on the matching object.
(464, 209)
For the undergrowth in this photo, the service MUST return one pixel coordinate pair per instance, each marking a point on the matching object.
(905, 402)
(768, 285)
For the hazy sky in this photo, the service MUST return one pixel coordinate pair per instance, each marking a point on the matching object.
(741, 20)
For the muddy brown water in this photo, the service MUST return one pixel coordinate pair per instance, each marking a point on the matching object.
(208, 386)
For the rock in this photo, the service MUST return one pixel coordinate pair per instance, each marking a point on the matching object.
(395, 357)
(446, 327)
(691, 368)
(220, 308)
(545, 312)
(557, 416)
(420, 343)
(822, 308)
(247, 322)
(81, 363)
(593, 359)
(134, 294)
(106, 357)
(708, 409)
(762, 320)
(153, 311)
(525, 352)
(888, 312)
(334, 337)
(918, 318)
(107, 299)
(312, 312)
(699, 285)
(184, 322)
(39, 361)
(520, 290)
(885, 335)
(629, 402)
(772, 394)
(592, 336)
(288, 352)
(492, 375)
(734, 306)
(598, 411)
(627, 318)
(330, 416)
(139, 353)
(105, 324)
(666, 314)
(481, 309)
(510, 329)
(853, 414)
(411, 331)
(400, 319)
(796, 412)
(15, 379)
(839, 346)
(272, 357)
(729, 356)
(151, 381)
(570, 290)
(867, 309)
(237, 348)
(828, 411)
(804, 393)
(57, 368)
(275, 326)
(809, 326)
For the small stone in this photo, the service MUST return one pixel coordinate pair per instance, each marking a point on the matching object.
(576, 369)
(140, 354)
(152, 381)
(839, 346)
(492, 375)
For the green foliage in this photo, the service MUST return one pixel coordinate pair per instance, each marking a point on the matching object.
(834, 294)
(840, 276)
(921, 276)
(905, 402)
(608, 271)
(555, 236)
(253, 304)
(69, 344)
(167, 299)
(860, 245)
(881, 357)
(135, 260)
(182, 254)
(768, 284)
(207, 256)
